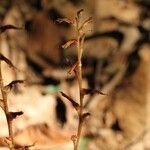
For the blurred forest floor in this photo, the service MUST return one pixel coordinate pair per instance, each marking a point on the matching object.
(116, 60)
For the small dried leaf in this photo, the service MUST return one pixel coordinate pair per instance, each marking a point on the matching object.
(69, 43)
(91, 91)
(12, 84)
(64, 20)
(85, 23)
(79, 12)
(8, 27)
(3, 58)
(73, 68)
(13, 115)
(74, 104)
(85, 115)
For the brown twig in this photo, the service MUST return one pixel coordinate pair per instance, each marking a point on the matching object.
(6, 110)
(79, 78)
(77, 69)
(4, 101)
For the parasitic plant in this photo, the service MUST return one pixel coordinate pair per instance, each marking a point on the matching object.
(10, 116)
(80, 30)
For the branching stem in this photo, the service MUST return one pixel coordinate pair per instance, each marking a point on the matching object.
(79, 79)
(6, 111)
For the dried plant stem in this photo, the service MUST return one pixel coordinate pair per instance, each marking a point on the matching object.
(79, 78)
(6, 110)
(77, 69)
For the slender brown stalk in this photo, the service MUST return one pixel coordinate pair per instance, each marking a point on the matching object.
(6, 111)
(9, 115)
(77, 69)
(80, 41)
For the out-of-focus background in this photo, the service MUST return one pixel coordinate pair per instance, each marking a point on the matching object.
(116, 60)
